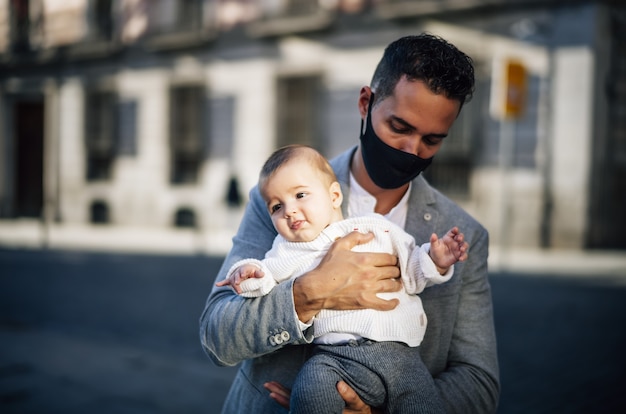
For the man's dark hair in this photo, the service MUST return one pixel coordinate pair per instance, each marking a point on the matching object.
(428, 58)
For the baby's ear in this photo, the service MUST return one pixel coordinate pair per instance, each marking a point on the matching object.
(336, 196)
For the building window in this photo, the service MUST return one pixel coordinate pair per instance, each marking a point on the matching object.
(101, 19)
(272, 9)
(101, 124)
(292, 16)
(189, 14)
(185, 218)
(298, 120)
(99, 213)
(26, 28)
(168, 16)
(233, 197)
(451, 170)
(186, 109)
(616, 89)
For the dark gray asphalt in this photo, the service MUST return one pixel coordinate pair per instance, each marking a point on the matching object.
(110, 333)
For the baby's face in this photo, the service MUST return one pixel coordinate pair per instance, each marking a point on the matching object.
(301, 204)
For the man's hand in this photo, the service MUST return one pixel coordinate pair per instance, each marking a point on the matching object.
(278, 393)
(347, 280)
(354, 404)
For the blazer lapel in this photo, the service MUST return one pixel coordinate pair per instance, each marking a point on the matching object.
(341, 166)
(422, 216)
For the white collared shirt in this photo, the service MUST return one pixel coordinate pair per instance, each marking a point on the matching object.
(361, 203)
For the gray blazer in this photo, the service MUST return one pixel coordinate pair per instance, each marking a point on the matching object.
(263, 334)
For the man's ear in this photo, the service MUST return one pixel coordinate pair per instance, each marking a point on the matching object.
(364, 100)
(336, 196)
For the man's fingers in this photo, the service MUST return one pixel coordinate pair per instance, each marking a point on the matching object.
(355, 238)
(353, 402)
(391, 284)
(384, 259)
(278, 393)
(388, 275)
(383, 304)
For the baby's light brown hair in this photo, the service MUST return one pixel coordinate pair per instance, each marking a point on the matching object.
(288, 153)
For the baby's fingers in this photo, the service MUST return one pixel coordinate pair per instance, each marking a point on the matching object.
(459, 237)
(464, 247)
(225, 282)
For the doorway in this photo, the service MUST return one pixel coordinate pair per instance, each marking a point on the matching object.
(28, 127)
(607, 221)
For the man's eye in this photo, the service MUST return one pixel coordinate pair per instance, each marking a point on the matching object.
(431, 141)
(399, 129)
(275, 208)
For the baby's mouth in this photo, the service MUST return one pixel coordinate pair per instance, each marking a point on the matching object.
(296, 224)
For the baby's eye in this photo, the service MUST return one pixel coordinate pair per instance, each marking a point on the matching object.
(274, 208)
(300, 195)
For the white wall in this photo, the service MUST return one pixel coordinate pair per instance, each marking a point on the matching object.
(572, 120)
(71, 151)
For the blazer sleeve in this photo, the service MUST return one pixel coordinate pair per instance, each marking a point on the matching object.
(421, 271)
(233, 328)
(469, 383)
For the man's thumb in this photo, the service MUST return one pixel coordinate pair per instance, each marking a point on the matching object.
(355, 238)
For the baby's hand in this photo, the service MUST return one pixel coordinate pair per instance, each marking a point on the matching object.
(448, 250)
(240, 274)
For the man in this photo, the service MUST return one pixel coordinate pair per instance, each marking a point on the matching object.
(415, 95)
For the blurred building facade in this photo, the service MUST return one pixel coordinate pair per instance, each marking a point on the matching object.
(128, 123)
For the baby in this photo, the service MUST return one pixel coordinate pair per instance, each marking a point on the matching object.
(375, 352)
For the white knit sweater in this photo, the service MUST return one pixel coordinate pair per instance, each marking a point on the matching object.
(406, 323)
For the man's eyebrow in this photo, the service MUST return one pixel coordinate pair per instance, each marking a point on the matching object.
(402, 121)
(412, 128)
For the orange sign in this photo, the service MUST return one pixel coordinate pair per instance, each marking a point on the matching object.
(515, 89)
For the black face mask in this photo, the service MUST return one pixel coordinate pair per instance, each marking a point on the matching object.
(388, 167)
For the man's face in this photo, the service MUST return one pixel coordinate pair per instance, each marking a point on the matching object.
(414, 119)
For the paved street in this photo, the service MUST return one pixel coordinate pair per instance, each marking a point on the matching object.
(561, 343)
(103, 333)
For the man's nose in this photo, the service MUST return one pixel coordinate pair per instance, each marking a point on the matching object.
(412, 145)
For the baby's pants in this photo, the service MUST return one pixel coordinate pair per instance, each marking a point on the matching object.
(384, 374)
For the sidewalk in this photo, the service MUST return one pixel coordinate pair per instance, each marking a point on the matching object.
(30, 234)
(559, 262)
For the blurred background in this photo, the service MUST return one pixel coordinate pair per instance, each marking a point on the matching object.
(141, 125)
(132, 130)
